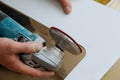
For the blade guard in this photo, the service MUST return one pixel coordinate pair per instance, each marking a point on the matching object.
(64, 41)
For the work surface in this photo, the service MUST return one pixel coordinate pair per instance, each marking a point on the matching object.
(94, 26)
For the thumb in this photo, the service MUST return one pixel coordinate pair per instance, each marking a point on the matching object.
(18, 66)
(27, 47)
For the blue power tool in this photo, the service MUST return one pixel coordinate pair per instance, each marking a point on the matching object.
(49, 58)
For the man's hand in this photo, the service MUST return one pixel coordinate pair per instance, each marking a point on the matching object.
(9, 58)
(66, 6)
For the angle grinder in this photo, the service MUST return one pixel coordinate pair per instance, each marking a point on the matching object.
(50, 58)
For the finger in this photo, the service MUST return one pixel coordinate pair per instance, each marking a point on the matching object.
(27, 47)
(34, 72)
(24, 69)
(66, 6)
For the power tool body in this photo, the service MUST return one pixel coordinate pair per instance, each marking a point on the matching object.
(50, 58)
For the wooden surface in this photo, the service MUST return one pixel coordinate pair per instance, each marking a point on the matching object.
(103, 1)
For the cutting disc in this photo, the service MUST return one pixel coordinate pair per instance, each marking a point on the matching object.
(64, 41)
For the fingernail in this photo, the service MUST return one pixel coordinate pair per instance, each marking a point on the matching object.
(37, 47)
(67, 10)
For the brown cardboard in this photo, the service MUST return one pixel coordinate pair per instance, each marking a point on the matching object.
(69, 61)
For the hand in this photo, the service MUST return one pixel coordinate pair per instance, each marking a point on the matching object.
(9, 58)
(66, 6)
